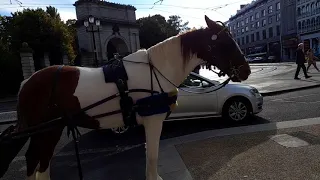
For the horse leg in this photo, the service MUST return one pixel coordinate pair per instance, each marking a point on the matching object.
(153, 128)
(33, 158)
(49, 145)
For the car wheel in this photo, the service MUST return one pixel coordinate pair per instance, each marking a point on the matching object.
(237, 109)
(120, 130)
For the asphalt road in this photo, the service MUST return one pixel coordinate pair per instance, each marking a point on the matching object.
(101, 147)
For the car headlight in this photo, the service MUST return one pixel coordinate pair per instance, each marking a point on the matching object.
(255, 92)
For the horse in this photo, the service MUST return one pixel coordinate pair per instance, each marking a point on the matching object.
(77, 87)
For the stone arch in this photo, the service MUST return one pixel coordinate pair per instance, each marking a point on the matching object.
(116, 44)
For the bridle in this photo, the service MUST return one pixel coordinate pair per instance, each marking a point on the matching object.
(234, 72)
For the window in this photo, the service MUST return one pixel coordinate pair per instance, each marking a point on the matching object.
(270, 20)
(299, 11)
(242, 23)
(252, 26)
(299, 26)
(303, 10)
(278, 6)
(252, 18)
(263, 13)
(307, 8)
(238, 24)
(194, 81)
(313, 7)
(270, 9)
(242, 39)
(257, 15)
(247, 39)
(258, 24)
(257, 36)
(264, 34)
(238, 41)
(252, 37)
(278, 30)
(247, 20)
(242, 30)
(278, 17)
(247, 28)
(270, 32)
(264, 23)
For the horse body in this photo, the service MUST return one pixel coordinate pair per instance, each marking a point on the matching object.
(48, 94)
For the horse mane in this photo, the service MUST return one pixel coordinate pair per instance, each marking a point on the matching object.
(189, 45)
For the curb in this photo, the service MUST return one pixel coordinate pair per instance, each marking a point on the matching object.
(5, 122)
(271, 93)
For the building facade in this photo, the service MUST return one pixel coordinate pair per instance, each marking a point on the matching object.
(117, 32)
(256, 28)
(308, 23)
(288, 22)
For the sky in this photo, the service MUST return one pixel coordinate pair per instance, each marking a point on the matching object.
(192, 11)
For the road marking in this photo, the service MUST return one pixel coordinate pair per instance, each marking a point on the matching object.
(288, 141)
(238, 130)
(301, 102)
(8, 112)
(294, 97)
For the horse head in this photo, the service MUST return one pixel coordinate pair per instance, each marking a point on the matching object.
(216, 46)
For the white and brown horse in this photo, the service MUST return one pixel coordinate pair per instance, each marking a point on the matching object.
(78, 87)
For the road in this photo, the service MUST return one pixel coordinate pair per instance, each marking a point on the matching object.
(100, 148)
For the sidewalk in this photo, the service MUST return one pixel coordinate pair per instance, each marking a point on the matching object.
(279, 151)
(275, 78)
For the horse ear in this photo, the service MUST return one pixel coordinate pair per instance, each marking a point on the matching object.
(211, 24)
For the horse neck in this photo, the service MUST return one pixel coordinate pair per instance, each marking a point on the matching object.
(167, 58)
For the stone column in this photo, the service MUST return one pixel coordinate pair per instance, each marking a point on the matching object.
(27, 60)
(65, 59)
(46, 60)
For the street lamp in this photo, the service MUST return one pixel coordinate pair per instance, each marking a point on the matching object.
(91, 22)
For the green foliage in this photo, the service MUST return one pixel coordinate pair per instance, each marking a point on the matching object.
(43, 31)
(154, 29)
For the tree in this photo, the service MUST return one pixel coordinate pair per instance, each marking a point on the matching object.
(175, 24)
(43, 31)
(154, 29)
(53, 12)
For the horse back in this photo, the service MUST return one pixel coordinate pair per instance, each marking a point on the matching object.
(46, 94)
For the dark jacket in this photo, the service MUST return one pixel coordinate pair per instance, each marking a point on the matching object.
(300, 57)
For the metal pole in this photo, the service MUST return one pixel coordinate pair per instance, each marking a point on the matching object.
(281, 57)
(94, 47)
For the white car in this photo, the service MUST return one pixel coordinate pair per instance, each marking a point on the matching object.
(234, 101)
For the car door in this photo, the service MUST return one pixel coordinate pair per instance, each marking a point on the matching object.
(191, 104)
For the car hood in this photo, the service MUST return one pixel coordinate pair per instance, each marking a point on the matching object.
(239, 85)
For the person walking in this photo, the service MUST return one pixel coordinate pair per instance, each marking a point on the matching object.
(300, 60)
(312, 60)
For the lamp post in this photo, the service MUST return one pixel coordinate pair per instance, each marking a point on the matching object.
(91, 22)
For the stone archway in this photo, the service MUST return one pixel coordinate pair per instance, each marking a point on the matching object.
(116, 45)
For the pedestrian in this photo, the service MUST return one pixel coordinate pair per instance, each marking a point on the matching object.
(312, 59)
(300, 60)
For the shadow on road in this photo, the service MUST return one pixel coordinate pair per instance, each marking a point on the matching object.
(104, 154)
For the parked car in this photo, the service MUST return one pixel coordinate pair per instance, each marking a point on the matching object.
(234, 102)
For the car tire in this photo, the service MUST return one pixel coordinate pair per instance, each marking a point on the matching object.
(237, 109)
(120, 130)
